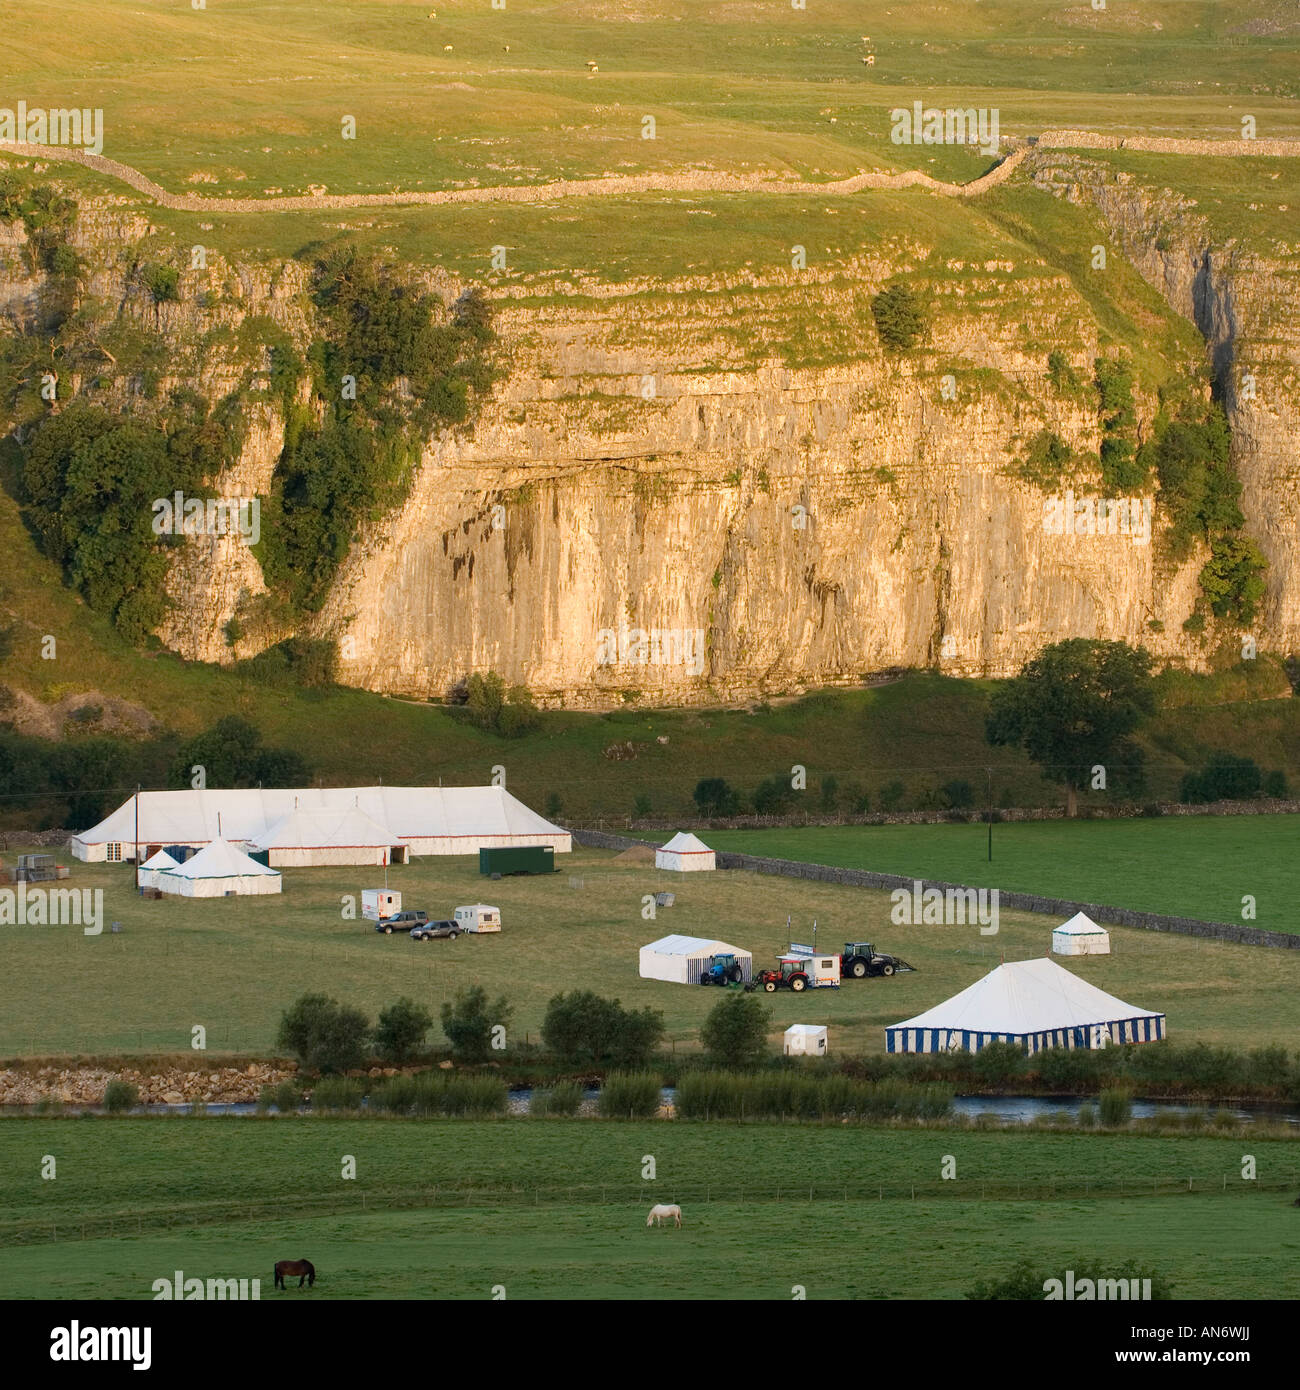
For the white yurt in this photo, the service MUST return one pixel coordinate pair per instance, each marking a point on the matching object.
(147, 874)
(1080, 936)
(681, 959)
(805, 1040)
(1035, 1003)
(216, 871)
(683, 853)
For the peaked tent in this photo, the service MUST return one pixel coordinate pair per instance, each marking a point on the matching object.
(1080, 936)
(147, 874)
(329, 837)
(681, 959)
(1035, 1003)
(216, 871)
(684, 853)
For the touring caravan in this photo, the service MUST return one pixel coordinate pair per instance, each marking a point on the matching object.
(478, 918)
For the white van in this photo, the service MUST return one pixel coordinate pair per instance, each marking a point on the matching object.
(478, 918)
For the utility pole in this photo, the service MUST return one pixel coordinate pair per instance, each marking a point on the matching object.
(989, 772)
(136, 864)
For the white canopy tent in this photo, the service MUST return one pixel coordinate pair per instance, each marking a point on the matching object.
(1080, 936)
(684, 853)
(682, 959)
(805, 1040)
(147, 874)
(1035, 1003)
(218, 870)
(428, 820)
(329, 837)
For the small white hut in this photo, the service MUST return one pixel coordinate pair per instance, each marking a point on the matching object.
(805, 1040)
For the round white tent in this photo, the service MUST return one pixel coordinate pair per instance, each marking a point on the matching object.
(147, 874)
(1035, 1003)
(1080, 936)
(684, 853)
(216, 871)
(681, 959)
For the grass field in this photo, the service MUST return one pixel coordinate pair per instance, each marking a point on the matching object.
(1197, 866)
(233, 965)
(248, 98)
(746, 1244)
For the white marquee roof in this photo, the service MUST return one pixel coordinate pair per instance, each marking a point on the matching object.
(1026, 996)
(685, 843)
(692, 946)
(189, 817)
(332, 829)
(161, 860)
(221, 859)
(1080, 925)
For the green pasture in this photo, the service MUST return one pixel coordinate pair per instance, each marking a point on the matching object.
(233, 965)
(184, 1194)
(1189, 866)
(242, 99)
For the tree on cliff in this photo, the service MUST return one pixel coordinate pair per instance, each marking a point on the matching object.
(1072, 709)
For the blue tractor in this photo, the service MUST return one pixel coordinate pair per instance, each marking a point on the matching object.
(723, 970)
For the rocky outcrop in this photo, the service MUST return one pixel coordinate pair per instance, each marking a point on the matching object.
(1244, 305)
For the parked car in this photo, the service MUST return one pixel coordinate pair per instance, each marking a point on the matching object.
(428, 930)
(402, 921)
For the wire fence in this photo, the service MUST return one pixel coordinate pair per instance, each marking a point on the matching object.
(46, 1230)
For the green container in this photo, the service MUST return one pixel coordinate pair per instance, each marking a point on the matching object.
(523, 859)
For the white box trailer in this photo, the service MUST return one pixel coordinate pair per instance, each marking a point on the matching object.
(805, 1040)
(379, 904)
(478, 917)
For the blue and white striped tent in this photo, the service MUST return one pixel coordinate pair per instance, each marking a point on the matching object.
(1035, 1003)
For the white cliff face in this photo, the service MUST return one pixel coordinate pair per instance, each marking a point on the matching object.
(647, 464)
(814, 525)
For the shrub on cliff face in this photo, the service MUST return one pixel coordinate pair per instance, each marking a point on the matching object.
(901, 317)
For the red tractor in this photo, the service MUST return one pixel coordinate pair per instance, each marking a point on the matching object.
(800, 972)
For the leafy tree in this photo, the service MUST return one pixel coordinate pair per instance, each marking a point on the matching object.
(468, 1020)
(1225, 777)
(773, 796)
(714, 797)
(580, 1025)
(1046, 460)
(958, 793)
(1120, 466)
(734, 1033)
(162, 282)
(1232, 580)
(401, 1031)
(1072, 707)
(637, 1036)
(891, 795)
(901, 317)
(231, 755)
(323, 1034)
(491, 705)
(1061, 374)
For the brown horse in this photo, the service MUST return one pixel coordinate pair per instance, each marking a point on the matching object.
(305, 1268)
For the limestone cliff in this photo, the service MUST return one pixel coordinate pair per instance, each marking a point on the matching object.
(738, 458)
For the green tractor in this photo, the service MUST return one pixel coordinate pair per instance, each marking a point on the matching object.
(723, 970)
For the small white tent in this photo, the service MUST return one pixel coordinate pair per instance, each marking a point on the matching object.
(1080, 936)
(147, 874)
(682, 959)
(805, 1040)
(684, 853)
(217, 870)
(1035, 1003)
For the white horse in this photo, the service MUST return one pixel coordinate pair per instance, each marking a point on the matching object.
(658, 1213)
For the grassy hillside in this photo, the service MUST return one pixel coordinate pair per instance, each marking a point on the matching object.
(258, 1190)
(233, 965)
